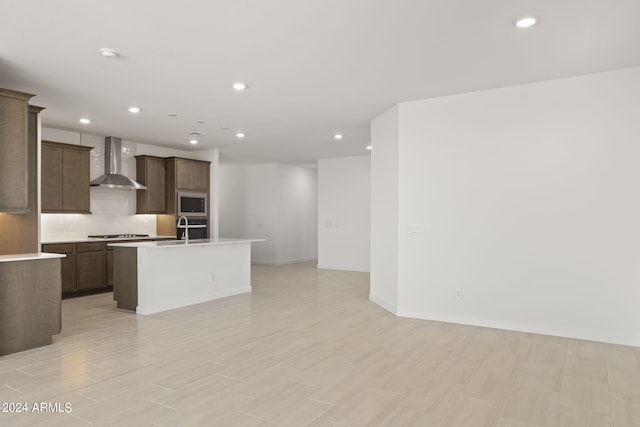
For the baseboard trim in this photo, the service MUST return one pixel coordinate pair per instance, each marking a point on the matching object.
(342, 268)
(527, 327)
(293, 261)
(384, 304)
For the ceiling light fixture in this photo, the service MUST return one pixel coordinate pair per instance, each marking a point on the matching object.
(369, 147)
(134, 110)
(239, 86)
(108, 53)
(525, 22)
(240, 135)
(338, 136)
(172, 115)
(193, 141)
(85, 121)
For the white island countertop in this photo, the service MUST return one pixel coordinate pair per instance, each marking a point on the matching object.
(182, 243)
(28, 257)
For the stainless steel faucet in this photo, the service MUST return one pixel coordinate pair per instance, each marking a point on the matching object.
(185, 236)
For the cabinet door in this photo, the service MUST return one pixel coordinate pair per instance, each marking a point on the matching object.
(13, 150)
(200, 172)
(69, 273)
(91, 270)
(68, 263)
(184, 176)
(192, 175)
(51, 158)
(156, 192)
(110, 267)
(75, 180)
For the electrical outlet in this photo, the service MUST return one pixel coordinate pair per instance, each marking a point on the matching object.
(458, 293)
(60, 225)
(212, 277)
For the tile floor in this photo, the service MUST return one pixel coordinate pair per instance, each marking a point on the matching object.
(307, 348)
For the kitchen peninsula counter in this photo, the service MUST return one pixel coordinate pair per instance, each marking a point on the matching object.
(30, 301)
(150, 277)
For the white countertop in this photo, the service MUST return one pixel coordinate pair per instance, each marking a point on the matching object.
(182, 243)
(88, 239)
(28, 257)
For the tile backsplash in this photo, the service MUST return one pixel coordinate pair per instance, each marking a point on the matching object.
(112, 211)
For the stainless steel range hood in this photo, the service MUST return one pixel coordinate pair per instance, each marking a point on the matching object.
(112, 177)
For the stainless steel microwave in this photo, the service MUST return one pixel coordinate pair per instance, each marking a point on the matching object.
(192, 204)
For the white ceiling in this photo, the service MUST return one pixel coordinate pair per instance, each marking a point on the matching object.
(314, 67)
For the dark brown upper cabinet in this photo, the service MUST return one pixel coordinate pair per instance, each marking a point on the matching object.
(65, 178)
(14, 151)
(151, 172)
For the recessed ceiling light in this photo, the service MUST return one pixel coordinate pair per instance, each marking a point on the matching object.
(338, 136)
(172, 115)
(239, 86)
(108, 53)
(134, 110)
(200, 121)
(369, 147)
(85, 121)
(193, 141)
(240, 135)
(525, 22)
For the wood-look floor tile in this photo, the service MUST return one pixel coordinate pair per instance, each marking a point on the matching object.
(537, 376)
(115, 404)
(572, 417)
(434, 397)
(625, 410)
(278, 401)
(304, 413)
(594, 369)
(472, 412)
(264, 381)
(533, 406)
(624, 381)
(307, 347)
(585, 395)
(206, 412)
(196, 392)
(144, 414)
(402, 416)
(368, 407)
(335, 393)
(490, 384)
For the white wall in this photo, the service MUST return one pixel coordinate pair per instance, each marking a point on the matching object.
(344, 210)
(297, 214)
(383, 289)
(528, 199)
(271, 201)
(112, 211)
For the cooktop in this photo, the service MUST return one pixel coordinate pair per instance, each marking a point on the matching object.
(116, 236)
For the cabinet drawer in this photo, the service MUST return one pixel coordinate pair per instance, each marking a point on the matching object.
(59, 248)
(91, 246)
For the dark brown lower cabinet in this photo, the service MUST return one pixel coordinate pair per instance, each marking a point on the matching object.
(68, 263)
(91, 270)
(109, 266)
(87, 267)
(84, 268)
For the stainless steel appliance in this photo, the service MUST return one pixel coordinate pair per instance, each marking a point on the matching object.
(116, 236)
(197, 229)
(192, 204)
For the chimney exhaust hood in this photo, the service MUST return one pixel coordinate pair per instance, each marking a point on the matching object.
(112, 177)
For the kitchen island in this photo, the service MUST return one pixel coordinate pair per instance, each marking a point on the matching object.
(150, 277)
